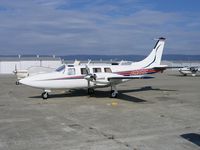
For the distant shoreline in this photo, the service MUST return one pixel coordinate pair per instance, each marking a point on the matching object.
(168, 57)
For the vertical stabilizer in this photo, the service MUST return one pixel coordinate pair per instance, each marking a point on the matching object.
(154, 58)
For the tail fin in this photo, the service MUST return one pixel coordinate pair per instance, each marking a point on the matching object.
(154, 58)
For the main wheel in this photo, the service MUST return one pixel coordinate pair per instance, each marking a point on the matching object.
(114, 94)
(45, 95)
(90, 91)
(193, 75)
(17, 82)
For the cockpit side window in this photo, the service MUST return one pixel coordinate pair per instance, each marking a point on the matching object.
(61, 68)
(71, 71)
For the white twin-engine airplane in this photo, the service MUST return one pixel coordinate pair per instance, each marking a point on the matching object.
(91, 76)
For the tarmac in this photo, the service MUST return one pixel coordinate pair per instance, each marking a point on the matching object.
(162, 113)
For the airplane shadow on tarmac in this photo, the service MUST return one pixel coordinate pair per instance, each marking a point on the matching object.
(98, 94)
(106, 94)
(192, 137)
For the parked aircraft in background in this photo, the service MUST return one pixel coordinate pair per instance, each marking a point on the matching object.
(90, 76)
(20, 74)
(189, 71)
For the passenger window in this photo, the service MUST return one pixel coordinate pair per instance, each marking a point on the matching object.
(83, 71)
(107, 70)
(95, 70)
(71, 71)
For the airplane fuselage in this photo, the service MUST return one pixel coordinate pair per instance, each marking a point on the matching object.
(73, 76)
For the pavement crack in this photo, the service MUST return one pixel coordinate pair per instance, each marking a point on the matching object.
(110, 137)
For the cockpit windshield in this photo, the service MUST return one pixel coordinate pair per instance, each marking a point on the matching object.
(61, 68)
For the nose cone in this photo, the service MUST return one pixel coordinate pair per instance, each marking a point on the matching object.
(30, 81)
(42, 81)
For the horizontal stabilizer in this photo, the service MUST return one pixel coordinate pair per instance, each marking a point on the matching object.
(160, 67)
(166, 67)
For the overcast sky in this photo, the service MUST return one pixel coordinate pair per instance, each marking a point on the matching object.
(63, 27)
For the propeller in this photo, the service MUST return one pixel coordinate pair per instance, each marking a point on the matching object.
(87, 69)
(89, 77)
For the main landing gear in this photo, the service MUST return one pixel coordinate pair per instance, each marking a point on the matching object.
(113, 92)
(90, 91)
(45, 95)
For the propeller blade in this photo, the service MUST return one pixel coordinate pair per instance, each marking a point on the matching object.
(87, 69)
(89, 77)
(15, 71)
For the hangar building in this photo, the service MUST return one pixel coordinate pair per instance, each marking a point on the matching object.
(8, 64)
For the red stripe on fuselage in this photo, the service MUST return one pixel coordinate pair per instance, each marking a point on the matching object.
(68, 77)
(138, 72)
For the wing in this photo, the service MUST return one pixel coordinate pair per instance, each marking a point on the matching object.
(107, 78)
(120, 79)
(130, 77)
(161, 68)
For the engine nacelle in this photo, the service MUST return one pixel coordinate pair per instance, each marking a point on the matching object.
(102, 78)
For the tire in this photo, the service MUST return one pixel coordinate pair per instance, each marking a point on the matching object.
(90, 91)
(114, 94)
(17, 82)
(193, 75)
(45, 95)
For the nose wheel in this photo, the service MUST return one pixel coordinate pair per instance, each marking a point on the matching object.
(17, 82)
(45, 95)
